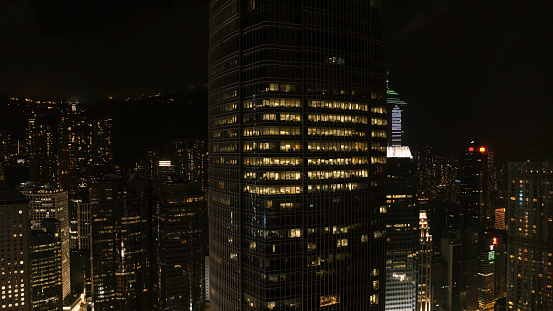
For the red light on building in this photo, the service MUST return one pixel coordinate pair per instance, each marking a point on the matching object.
(471, 149)
(494, 241)
(482, 149)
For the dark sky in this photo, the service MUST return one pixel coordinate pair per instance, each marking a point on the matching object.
(469, 70)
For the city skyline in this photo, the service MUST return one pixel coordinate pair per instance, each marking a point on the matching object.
(464, 72)
(265, 155)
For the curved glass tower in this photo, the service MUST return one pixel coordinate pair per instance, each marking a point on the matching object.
(297, 129)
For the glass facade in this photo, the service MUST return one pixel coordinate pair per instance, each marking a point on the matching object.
(46, 266)
(297, 129)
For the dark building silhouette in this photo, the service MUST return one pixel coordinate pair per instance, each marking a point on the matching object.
(120, 213)
(474, 196)
(297, 133)
(179, 228)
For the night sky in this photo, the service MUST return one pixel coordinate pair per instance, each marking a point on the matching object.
(469, 70)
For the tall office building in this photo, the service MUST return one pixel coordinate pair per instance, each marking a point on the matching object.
(297, 132)
(491, 254)
(119, 212)
(45, 202)
(179, 227)
(530, 236)
(14, 237)
(46, 266)
(402, 236)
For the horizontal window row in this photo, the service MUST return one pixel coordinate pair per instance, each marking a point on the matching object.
(272, 190)
(272, 130)
(337, 174)
(293, 117)
(292, 175)
(338, 161)
(271, 161)
(296, 175)
(224, 134)
(225, 121)
(279, 190)
(336, 146)
(283, 145)
(225, 161)
(337, 118)
(273, 102)
(335, 187)
(322, 131)
(338, 105)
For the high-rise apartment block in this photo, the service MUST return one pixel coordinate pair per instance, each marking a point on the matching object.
(530, 236)
(45, 202)
(15, 286)
(297, 132)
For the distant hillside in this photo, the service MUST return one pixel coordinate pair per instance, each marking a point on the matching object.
(148, 122)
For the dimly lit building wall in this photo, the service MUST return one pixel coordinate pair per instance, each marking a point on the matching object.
(179, 236)
(119, 212)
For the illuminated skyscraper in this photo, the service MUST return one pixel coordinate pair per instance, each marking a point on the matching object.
(402, 236)
(491, 272)
(424, 264)
(52, 203)
(297, 133)
(395, 111)
(14, 236)
(530, 236)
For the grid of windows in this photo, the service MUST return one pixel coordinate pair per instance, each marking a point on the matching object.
(530, 233)
(52, 204)
(14, 250)
(297, 124)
